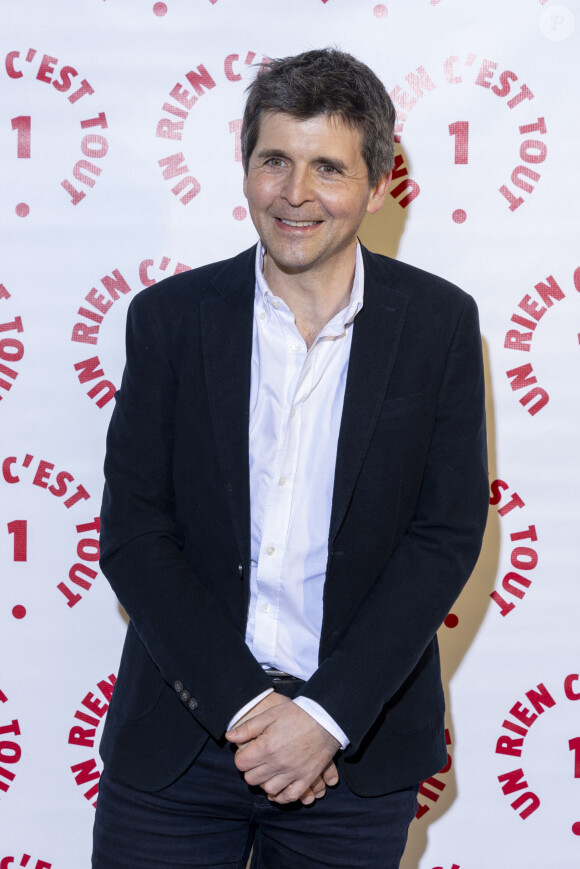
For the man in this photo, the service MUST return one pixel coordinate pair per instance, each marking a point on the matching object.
(296, 493)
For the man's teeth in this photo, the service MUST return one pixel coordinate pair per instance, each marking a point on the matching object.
(299, 222)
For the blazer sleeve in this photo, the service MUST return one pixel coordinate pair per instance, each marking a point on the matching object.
(141, 548)
(413, 593)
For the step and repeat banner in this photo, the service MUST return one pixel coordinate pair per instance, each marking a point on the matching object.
(120, 141)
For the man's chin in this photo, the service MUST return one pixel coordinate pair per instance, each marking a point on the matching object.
(290, 264)
(295, 269)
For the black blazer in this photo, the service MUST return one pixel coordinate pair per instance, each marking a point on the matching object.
(408, 514)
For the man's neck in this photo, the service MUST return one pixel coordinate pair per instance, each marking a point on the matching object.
(314, 296)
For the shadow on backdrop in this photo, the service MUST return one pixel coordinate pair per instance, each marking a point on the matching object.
(382, 233)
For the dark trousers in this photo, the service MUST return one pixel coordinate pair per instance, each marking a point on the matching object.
(210, 817)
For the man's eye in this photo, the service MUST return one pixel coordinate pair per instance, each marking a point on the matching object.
(274, 161)
(329, 170)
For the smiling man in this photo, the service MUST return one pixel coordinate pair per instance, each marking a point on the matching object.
(296, 494)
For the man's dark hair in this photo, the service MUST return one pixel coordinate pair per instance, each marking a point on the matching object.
(325, 82)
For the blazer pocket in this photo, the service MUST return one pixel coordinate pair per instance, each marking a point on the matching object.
(142, 704)
(139, 684)
(416, 404)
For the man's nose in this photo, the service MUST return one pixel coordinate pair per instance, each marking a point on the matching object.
(297, 187)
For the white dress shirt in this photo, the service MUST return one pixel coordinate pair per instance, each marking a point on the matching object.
(296, 401)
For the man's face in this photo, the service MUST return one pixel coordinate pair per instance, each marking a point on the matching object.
(308, 190)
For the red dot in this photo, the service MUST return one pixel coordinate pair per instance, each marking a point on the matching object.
(380, 11)
(160, 9)
(459, 215)
(451, 621)
(19, 612)
(576, 828)
(22, 209)
(239, 212)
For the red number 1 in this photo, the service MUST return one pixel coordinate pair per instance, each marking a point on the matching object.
(460, 129)
(575, 747)
(23, 124)
(19, 527)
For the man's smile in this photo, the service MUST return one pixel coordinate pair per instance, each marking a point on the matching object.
(299, 222)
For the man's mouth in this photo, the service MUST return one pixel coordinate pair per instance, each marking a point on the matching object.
(299, 223)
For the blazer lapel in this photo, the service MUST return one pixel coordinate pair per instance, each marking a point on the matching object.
(226, 325)
(376, 333)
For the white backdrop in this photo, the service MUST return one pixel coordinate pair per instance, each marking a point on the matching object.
(119, 135)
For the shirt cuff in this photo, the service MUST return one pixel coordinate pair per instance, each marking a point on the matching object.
(241, 712)
(320, 715)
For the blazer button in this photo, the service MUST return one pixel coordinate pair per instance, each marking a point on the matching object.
(192, 704)
(178, 686)
(185, 695)
(241, 570)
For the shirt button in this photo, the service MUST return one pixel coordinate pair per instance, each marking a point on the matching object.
(275, 303)
(282, 481)
(270, 550)
(265, 607)
(295, 348)
(263, 315)
(292, 413)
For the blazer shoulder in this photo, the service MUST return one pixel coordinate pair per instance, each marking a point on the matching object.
(416, 284)
(176, 294)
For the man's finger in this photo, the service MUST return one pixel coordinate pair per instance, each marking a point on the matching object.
(318, 788)
(330, 774)
(274, 784)
(252, 756)
(249, 730)
(260, 774)
(308, 797)
(295, 791)
(269, 702)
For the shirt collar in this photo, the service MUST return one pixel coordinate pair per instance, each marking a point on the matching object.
(340, 321)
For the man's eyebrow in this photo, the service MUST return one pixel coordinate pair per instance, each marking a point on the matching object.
(333, 162)
(271, 152)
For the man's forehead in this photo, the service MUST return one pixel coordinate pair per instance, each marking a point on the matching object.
(322, 123)
(333, 119)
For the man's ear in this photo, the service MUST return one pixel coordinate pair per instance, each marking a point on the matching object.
(378, 193)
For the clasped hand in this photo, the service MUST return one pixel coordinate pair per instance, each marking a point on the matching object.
(285, 751)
